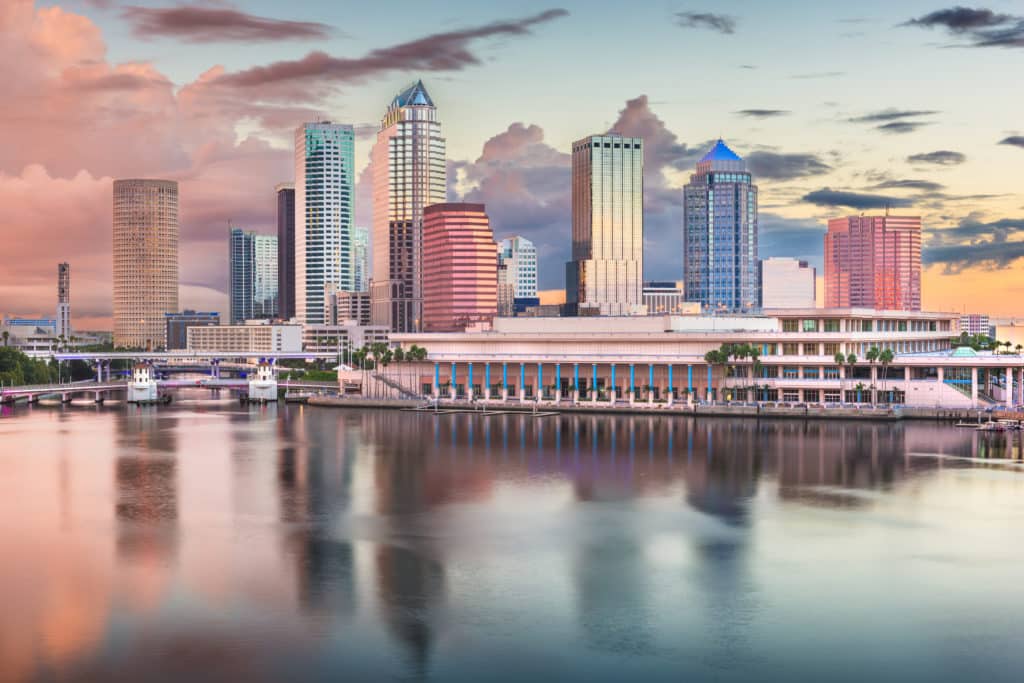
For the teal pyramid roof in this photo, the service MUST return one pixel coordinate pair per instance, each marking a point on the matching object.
(721, 152)
(414, 95)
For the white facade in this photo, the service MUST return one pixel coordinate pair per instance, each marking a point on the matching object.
(976, 323)
(342, 338)
(245, 338)
(519, 256)
(324, 211)
(787, 283)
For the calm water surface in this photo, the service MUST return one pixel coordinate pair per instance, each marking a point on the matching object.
(210, 542)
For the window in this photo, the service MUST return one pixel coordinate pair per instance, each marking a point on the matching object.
(790, 325)
(790, 349)
(831, 325)
(810, 325)
(791, 395)
(831, 349)
(865, 326)
(811, 395)
(831, 397)
(832, 372)
(810, 373)
(810, 349)
(791, 373)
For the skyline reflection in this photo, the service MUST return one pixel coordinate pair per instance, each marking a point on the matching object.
(325, 542)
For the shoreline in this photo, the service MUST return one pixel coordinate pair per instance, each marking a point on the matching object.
(681, 410)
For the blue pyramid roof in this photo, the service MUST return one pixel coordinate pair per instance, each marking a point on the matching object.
(721, 152)
(415, 94)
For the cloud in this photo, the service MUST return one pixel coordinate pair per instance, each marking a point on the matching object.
(923, 185)
(960, 19)
(198, 24)
(763, 113)
(449, 51)
(902, 127)
(722, 23)
(524, 182)
(854, 200)
(942, 157)
(981, 27)
(892, 115)
(799, 238)
(973, 243)
(777, 166)
(1015, 140)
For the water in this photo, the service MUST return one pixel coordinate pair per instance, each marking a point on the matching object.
(211, 542)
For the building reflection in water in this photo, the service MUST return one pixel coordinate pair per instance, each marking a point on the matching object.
(375, 518)
(314, 477)
(146, 501)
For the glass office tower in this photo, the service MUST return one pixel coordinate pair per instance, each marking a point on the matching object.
(606, 273)
(285, 250)
(720, 234)
(324, 211)
(873, 262)
(409, 174)
(253, 273)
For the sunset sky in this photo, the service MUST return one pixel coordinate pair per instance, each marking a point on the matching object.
(838, 109)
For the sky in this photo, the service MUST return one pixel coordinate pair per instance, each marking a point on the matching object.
(838, 109)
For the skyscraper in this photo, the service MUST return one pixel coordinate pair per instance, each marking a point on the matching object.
(460, 267)
(63, 300)
(787, 283)
(324, 210)
(253, 288)
(285, 250)
(873, 262)
(720, 234)
(607, 267)
(409, 174)
(361, 258)
(145, 260)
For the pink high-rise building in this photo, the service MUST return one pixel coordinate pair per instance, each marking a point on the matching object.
(460, 267)
(873, 262)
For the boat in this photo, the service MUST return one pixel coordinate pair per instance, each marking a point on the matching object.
(991, 426)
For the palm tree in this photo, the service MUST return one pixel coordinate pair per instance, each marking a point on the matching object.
(851, 362)
(1018, 348)
(716, 357)
(840, 360)
(872, 356)
(885, 358)
(7, 335)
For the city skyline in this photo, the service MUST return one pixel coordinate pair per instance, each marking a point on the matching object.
(813, 138)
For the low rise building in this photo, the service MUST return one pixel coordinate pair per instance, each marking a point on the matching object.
(179, 323)
(787, 283)
(342, 338)
(975, 323)
(666, 298)
(654, 358)
(254, 336)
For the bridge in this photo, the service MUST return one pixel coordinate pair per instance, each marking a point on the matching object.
(101, 390)
(203, 360)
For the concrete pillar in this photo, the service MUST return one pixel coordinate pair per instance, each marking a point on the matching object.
(974, 387)
(1009, 387)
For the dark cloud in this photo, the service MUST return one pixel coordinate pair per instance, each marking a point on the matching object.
(448, 51)
(777, 166)
(981, 27)
(942, 157)
(722, 23)
(892, 115)
(902, 127)
(198, 24)
(119, 81)
(854, 200)
(923, 185)
(974, 243)
(763, 113)
(799, 238)
(960, 19)
(1015, 140)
